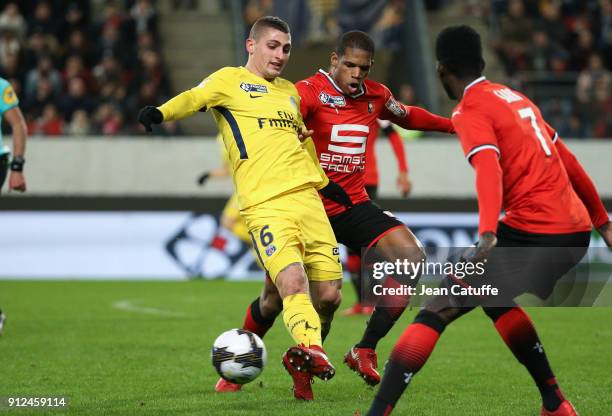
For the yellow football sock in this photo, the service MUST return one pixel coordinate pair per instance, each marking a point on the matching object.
(302, 320)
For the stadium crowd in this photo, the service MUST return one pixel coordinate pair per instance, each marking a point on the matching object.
(82, 67)
(85, 67)
(548, 45)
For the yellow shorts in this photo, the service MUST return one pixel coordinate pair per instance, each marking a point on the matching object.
(293, 228)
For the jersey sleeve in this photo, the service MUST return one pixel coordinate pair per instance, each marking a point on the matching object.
(212, 91)
(9, 98)
(307, 97)
(583, 185)
(411, 117)
(476, 132)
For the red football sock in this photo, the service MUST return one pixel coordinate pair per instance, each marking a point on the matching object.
(520, 336)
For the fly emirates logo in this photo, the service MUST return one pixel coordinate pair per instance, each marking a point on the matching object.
(346, 148)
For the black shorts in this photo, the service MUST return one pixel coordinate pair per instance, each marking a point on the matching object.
(363, 225)
(524, 263)
(4, 164)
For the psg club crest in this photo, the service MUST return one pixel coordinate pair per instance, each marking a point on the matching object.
(270, 250)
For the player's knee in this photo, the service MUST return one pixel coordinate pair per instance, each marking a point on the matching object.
(329, 301)
(292, 280)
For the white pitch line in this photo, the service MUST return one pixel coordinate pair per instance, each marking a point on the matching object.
(127, 305)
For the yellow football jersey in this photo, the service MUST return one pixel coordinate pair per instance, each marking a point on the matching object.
(259, 121)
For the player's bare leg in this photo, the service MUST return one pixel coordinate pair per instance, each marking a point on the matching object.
(326, 298)
(401, 244)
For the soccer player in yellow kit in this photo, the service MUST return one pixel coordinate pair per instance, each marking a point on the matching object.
(276, 178)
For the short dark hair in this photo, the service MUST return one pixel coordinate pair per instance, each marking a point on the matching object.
(271, 22)
(355, 39)
(459, 49)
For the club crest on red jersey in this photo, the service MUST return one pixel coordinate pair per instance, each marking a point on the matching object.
(370, 107)
(334, 101)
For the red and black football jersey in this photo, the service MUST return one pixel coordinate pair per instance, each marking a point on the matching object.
(537, 194)
(344, 124)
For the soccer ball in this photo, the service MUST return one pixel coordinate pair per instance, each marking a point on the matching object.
(239, 356)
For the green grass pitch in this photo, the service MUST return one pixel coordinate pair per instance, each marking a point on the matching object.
(143, 348)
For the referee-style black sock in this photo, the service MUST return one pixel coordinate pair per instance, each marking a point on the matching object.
(520, 336)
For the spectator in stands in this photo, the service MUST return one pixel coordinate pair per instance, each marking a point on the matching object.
(108, 120)
(76, 99)
(80, 124)
(152, 71)
(44, 69)
(588, 101)
(12, 21)
(77, 44)
(602, 25)
(544, 55)
(388, 31)
(49, 123)
(9, 45)
(551, 23)
(144, 16)
(38, 44)
(75, 18)
(515, 34)
(12, 69)
(43, 20)
(44, 94)
(98, 61)
(75, 68)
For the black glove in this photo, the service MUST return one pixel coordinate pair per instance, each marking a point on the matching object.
(203, 178)
(150, 115)
(336, 193)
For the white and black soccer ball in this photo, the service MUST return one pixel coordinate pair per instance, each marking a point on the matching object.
(239, 356)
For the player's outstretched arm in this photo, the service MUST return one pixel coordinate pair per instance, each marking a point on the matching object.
(585, 188)
(415, 118)
(18, 125)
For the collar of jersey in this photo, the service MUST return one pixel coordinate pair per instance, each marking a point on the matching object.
(476, 81)
(333, 83)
